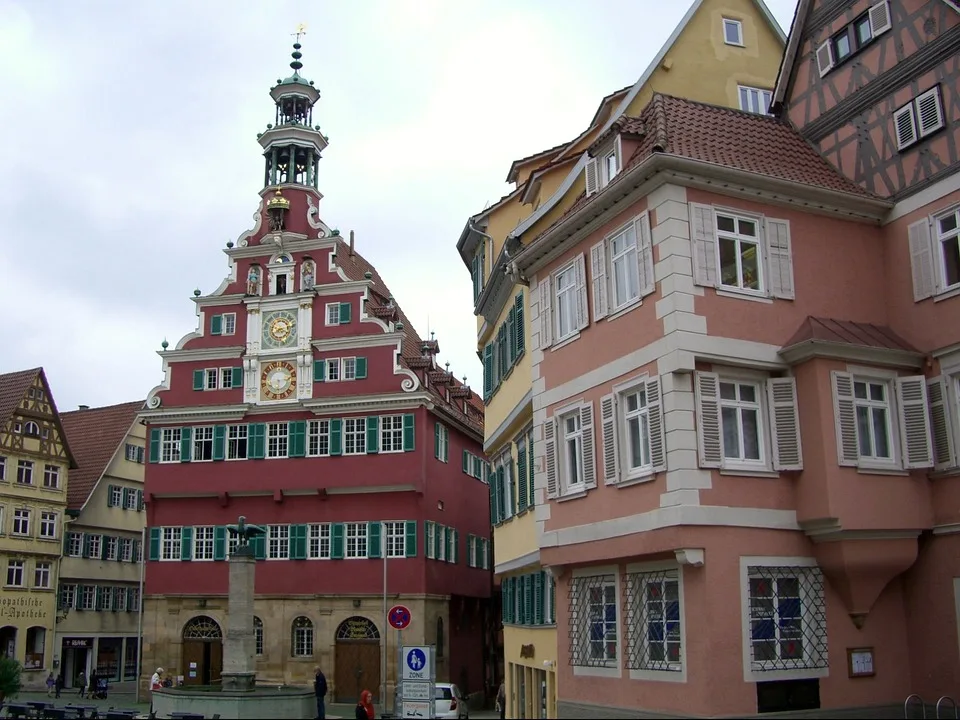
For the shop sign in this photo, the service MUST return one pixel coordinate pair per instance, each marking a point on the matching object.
(23, 608)
(78, 642)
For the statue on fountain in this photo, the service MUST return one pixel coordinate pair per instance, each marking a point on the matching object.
(244, 532)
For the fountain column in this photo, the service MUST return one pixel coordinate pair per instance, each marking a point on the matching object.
(239, 646)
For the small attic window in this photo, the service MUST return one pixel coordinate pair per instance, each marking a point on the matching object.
(732, 32)
(283, 259)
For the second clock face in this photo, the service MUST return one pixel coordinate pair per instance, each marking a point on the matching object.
(279, 329)
(278, 380)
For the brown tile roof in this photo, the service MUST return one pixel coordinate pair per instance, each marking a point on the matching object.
(94, 436)
(13, 386)
(848, 332)
(355, 266)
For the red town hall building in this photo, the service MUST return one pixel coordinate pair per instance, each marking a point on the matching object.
(306, 402)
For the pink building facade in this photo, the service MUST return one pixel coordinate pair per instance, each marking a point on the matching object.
(746, 386)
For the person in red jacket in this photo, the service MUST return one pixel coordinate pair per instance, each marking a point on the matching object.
(365, 709)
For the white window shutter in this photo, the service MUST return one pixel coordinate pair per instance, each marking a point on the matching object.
(598, 279)
(779, 258)
(589, 451)
(618, 154)
(546, 312)
(929, 111)
(583, 319)
(921, 260)
(708, 419)
(608, 435)
(785, 423)
(914, 422)
(879, 15)
(645, 255)
(658, 442)
(591, 172)
(824, 58)
(704, 236)
(845, 415)
(550, 456)
(905, 127)
(941, 424)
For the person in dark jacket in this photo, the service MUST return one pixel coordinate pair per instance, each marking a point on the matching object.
(320, 690)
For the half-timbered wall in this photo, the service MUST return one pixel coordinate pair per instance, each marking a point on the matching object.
(846, 105)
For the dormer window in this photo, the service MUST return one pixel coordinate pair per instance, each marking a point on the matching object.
(610, 166)
(604, 166)
(281, 269)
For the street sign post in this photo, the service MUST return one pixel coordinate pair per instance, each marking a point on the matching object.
(418, 675)
(399, 617)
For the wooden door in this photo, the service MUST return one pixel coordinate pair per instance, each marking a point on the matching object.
(193, 664)
(216, 661)
(357, 668)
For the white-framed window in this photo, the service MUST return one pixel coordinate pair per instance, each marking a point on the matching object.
(594, 620)
(356, 536)
(120, 598)
(212, 376)
(567, 297)
(739, 252)
(226, 378)
(111, 548)
(116, 496)
(88, 598)
(302, 641)
(170, 445)
(621, 268)
(278, 542)
(948, 244)
(135, 453)
(610, 166)
(631, 428)
(484, 554)
(442, 542)
(51, 477)
(203, 543)
(429, 540)
(571, 453)
(451, 545)
(203, 444)
(563, 303)
(919, 118)
(391, 433)
(883, 421)
(258, 635)
(126, 550)
(318, 438)
(349, 368)
(354, 436)
(333, 369)
(67, 596)
(318, 546)
(3, 468)
(229, 323)
(332, 313)
(754, 100)
(277, 439)
(31, 429)
(569, 450)
(48, 525)
(741, 422)
(15, 573)
(25, 472)
(636, 426)
(170, 543)
(441, 450)
(472, 552)
(75, 544)
(134, 498)
(395, 539)
(94, 545)
(237, 442)
(785, 624)
(653, 618)
(21, 521)
(732, 32)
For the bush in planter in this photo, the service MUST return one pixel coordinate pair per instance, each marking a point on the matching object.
(10, 671)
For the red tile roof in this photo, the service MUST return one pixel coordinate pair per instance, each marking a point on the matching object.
(849, 333)
(13, 387)
(94, 436)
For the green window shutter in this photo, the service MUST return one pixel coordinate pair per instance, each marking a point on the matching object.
(186, 543)
(219, 543)
(456, 547)
(199, 379)
(236, 377)
(298, 542)
(336, 541)
(361, 368)
(512, 598)
(110, 489)
(154, 445)
(505, 601)
(518, 327)
(531, 496)
(487, 370)
(186, 434)
(139, 500)
(410, 544)
(538, 598)
(446, 444)
(436, 440)
(259, 544)
(494, 501)
(503, 512)
(344, 313)
(256, 441)
(439, 536)
(319, 370)
(124, 496)
(521, 476)
(528, 600)
(373, 539)
(298, 438)
(154, 544)
(373, 434)
(216, 325)
(219, 441)
(511, 331)
(466, 462)
(98, 603)
(336, 436)
(408, 441)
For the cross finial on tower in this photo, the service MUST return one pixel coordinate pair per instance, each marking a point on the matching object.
(301, 31)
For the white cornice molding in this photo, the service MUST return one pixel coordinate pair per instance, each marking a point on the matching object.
(391, 339)
(947, 529)
(300, 244)
(214, 299)
(887, 357)
(373, 489)
(219, 353)
(355, 403)
(269, 302)
(205, 413)
(343, 287)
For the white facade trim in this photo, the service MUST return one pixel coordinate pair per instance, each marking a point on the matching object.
(362, 341)
(929, 195)
(232, 352)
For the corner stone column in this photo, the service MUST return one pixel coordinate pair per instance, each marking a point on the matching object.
(239, 646)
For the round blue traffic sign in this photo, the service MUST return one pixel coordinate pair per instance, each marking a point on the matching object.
(399, 617)
(416, 660)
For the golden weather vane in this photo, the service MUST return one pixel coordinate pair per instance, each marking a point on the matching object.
(301, 31)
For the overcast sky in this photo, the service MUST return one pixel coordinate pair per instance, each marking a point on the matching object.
(128, 154)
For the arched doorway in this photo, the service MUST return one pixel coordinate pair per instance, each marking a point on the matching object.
(357, 659)
(202, 651)
(8, 641)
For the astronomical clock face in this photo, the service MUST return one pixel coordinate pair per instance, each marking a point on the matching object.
(279, 329)
(278, 380)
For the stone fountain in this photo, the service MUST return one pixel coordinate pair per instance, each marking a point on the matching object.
(238, 695)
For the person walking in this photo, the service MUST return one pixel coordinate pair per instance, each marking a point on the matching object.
(51, 682)
(156, 683)
(320, 690)
(59, 685)
(502, 700)
(82, 683)
(364, 709)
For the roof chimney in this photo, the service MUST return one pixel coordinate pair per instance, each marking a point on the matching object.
(83, 407)
(351, 243)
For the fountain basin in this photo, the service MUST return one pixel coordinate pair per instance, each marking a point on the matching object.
(284, 702)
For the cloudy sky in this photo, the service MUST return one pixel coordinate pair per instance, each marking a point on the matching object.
(129, 157)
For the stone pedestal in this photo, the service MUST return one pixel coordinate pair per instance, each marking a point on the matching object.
(240, 644)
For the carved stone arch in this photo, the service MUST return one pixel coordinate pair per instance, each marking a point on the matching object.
(357, 627)
(202, 627)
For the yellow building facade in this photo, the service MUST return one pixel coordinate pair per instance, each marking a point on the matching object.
(723, 52)
(35, 461)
